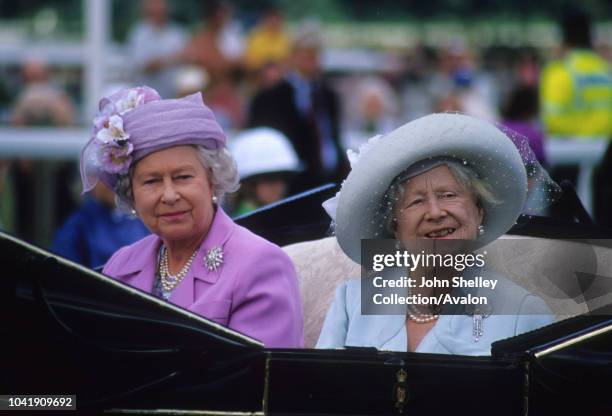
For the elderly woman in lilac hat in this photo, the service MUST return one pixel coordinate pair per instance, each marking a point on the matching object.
(167, 161)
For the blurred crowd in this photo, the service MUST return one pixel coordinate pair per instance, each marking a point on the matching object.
(293, 122)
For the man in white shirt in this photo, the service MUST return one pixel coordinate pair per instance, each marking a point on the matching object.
(155, 48)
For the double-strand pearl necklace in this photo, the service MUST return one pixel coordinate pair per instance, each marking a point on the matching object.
(168, 281)
(421, 318)
(417, 316)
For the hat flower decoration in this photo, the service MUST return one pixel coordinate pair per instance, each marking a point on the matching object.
(112, 141)
(135, 122)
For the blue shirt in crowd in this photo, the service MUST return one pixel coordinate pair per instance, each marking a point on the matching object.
(94, 232)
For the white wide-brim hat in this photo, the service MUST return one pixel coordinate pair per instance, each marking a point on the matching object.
(479, 145)
(263, 150)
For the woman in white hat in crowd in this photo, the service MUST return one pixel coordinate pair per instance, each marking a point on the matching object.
(266, 164)
(441, 177)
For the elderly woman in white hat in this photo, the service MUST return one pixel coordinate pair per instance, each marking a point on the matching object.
(441, 177)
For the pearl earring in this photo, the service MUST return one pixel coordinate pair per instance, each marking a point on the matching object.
(481, 230)
(214, 199)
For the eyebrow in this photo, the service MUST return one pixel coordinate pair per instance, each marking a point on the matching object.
(183, 168)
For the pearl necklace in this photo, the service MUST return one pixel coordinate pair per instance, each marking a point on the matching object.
(168, 281)
(417, 316)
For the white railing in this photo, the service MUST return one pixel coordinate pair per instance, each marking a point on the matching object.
(42, 143)
(584, 153)
(66, 143)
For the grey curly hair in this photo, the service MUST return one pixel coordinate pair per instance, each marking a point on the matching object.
(464, 175)
(219, 163)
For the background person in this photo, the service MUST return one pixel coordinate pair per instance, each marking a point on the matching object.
(371, 107)
(41, 103)
(576, 99)
(167, 160)
(266, 164)
(96, 230)
(446, 177)
(306, 110)
(156, 46)
(576, 90)
(217, 49)
(458, 84)
(520, 114)
(268, 42)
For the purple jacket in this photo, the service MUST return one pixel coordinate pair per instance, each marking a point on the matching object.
(255, 291)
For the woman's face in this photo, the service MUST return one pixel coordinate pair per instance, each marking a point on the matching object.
(173, 194)
(436, 206)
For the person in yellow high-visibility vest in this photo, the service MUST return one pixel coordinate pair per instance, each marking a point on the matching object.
(576, 91)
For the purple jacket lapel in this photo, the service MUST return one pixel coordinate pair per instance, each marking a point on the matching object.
(220, 230)
(140, 272)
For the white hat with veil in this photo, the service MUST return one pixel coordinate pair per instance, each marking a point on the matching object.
(508, 168)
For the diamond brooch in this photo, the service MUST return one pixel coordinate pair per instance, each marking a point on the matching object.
(214, 258)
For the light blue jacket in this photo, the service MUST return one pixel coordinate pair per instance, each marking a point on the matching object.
(452, 334)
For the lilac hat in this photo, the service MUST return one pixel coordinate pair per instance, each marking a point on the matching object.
(135, 122)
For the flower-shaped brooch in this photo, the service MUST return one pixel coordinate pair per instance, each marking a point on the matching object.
(214, 258)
